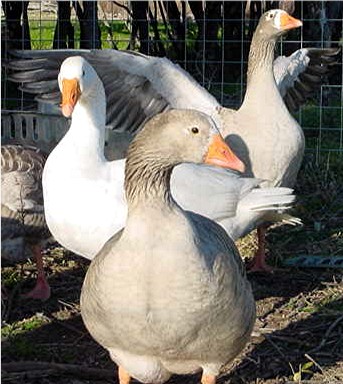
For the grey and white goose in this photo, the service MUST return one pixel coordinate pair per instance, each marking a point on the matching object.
(168, 294)
(267, 138)
(84, 192)
(22, 213)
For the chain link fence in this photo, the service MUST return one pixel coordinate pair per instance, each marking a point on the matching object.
(213, 46)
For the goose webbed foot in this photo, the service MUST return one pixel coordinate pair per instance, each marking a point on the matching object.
(41, 291)
(258, 263)
(124, 377)
(208, 379)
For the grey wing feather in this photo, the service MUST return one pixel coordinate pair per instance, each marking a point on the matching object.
(137, 86)
(211, 191)
(299, 75)
(21, 174)
(22, 213)
(46, 86)
(34, 76)
(131, 99)
(235, 202)
(140, 86)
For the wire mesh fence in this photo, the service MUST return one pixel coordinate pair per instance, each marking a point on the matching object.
(209, 39)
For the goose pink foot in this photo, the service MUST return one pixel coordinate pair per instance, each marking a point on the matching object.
(258, 264)
(42, 290)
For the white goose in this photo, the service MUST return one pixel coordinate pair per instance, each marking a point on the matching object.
(84, 194)
(265, 135)
(169, 293)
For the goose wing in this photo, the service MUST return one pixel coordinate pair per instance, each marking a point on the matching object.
(21, 175)
(299, 75)
(137, 86)
(235, 202)
(22, 213)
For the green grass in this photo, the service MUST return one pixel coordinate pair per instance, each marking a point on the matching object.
(319, 301)
(16, 328)
(114, 34)
(42, 34)
(312, 116)
(10, 278)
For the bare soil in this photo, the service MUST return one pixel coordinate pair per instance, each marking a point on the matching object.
(298, 336)
(300, 320)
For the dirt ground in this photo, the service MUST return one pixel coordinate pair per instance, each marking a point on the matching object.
(298, 336)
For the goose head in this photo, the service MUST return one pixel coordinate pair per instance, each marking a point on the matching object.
(77, 80)
(276, 22)
(179, 136)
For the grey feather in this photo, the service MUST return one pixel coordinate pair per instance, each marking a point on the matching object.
(299, 75)
(22, 213)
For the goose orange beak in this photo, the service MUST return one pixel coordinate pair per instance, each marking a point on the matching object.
(220, 154)
(70, 95)
(288, 22)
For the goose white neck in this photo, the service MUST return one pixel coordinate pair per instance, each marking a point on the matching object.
(88, 123)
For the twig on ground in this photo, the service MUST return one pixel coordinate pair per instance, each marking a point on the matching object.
(319, 367)
(291, 340)
(53, 369)
(68, 326)
(69, 305)
(7, 311)
(262, 331)
(268, 338)
(21, 376)
(327, 334)
(314, 362)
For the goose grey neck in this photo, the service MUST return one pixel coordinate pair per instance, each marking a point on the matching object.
(261, 57)
(147, 179)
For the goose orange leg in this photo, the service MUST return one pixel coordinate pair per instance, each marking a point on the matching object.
(208, 379)
(124, 377)
(41, 291)
(258, 263)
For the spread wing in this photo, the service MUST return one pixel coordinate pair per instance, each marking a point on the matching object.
(299, 75)
(137, 86)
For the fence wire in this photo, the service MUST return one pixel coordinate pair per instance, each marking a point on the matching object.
(224, 77)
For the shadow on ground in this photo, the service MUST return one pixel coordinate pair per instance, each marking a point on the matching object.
(299, 313)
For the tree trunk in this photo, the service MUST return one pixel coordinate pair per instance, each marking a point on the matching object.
(177, 26)
(198, 13)
(140, 23)
(157, 44)
(87, 13)
(64, 31)
(233, 33)
(18, 34)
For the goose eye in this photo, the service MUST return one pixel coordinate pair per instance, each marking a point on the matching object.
(83, 73)
(195, 130)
